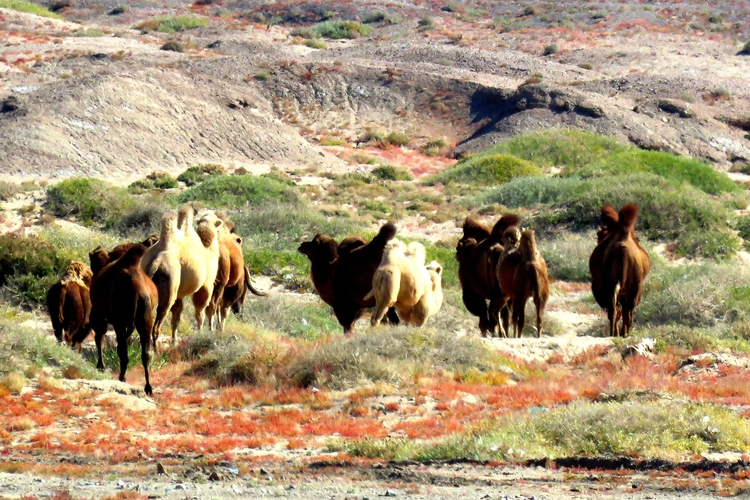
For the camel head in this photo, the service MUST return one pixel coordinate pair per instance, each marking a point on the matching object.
(98, 258)
(435, 267)
(209, 227)
(321, 248)
(152, 240)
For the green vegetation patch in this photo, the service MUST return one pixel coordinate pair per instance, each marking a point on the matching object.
(29, 265)
(28, 7)
(232, 191)
(338, 29)
(668, 211)
(199, 173)
(664, 429)
(90, 200)
(486, 170)
(170, 24)
(154, 180)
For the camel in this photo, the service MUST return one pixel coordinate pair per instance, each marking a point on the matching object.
(618, 267)
(431, 300)
(477, 254)
(522, 274)
(123, 296)
(399, 281)
(69, 301)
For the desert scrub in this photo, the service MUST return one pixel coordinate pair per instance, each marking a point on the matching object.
(90, 200)
(154, 180)
(199, 173)
(8, 190)
(140, 220)
(397, 139)
(29, 265)
(391, 355)
(485, 170)
(654, 429)
(232, 191)
(699, 295)
(22, 347)
(668, 211)
(434, 147)
(232, 357)
(292, 317)
(28, 7)
(337, 29)
(170, 24)
(76, 245)
(392, 173)
(745, 50)
(567, 255)
(316, 44)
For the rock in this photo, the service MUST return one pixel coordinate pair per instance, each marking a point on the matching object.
(215, 476)
(160, 469)
(214, 45)
(644, 347)
(12, 106)
(675, 107)
(173, 46)
(587, 109)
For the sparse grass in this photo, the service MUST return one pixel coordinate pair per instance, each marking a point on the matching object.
(171, 24)
(390, 355)
(89, 33)
(291, 316)
(434, 147)
(486, 170)
(8, 190)
(234, 191)
(674, 213)
(28, 267)
(567, 256)
(664, 429)
(90, 200)
(199, 173)
(338, 29)
(22, 347)
(28, 7)
(333, 141)
(76, 245)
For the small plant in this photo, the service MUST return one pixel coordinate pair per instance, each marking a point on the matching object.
(745, 51)
(154, 180)
(530, 10)
(8, 190)
(28, 7)
(338, 29)
(585, 65)
(262, 76)
(333, 141)
(425, 23)
(433, 148)
(550, 49)
(118, 10)
(91, 33)
(200, 173)
(169, 24)
(316, 44)
(391, 173)
(173, 46)
(398, 139)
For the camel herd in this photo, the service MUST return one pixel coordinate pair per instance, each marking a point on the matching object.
(134, 286)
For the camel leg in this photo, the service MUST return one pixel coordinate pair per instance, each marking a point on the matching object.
(540, 303)
(477, 306)
(214, 306)
(145, 324)
(122, 349)
(519, 316)
(99, 333)
(176, 313)
(200, 301)
(505, 316)
(392, 316)
(612, 322)
(347, 314)
(497, 304)
(380, 310)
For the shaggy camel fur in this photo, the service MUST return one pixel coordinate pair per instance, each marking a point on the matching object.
(399, 281)
(522, 273)
(618, 267)
(432, 298)
(69, 301)
(338, 276)
(477, 254)
(124, 297)
(161, 263)
(120, 250)
(100, 257)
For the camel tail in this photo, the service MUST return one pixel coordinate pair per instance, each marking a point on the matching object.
(250, 286)
(527, 247)
(386, 233)
(61, 304)
(627, 216)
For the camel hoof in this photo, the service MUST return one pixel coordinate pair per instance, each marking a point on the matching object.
(149, 390)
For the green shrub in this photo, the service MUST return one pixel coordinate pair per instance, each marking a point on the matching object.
(91, 200)
(200, 173)
(28, 267)
(382, 16)
(550, 49)
(433, 147)
(425, 23)
(391, 173)
(338, 29)
(316, 44)
(8, 190)
(170, 24)
(668, 211)
(154, 180)
(666, 165)
(233, 191)
(398, 139)
(486, 170)
(262, 76)
(140, 220)
(28, 7)
(333, 141)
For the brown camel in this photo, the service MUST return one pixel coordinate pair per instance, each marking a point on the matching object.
(522, 274)
(69, 301)
(618, 267)
(477, 254)
(124, 297)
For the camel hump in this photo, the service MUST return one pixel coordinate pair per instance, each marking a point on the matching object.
(185, 216)
(351, 243)
(475, 229)
(132, 257)
(527, 246)
(627, 216)
(77, 271)
(506, 221)
(387, 232)
(609, 216)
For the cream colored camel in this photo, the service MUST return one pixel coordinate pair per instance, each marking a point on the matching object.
(432, 298)
(399, 280)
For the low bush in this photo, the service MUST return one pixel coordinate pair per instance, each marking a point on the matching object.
(28, 267)
(316, 44)
(8, 190)
(397, 139)
(668, 211)
(154, 180)
(567, 256)
(391, 173)
(28, 7)
(745, 51)
(655, 429)
(550, 49)
(21, 348)
(486, 170)
(338, 29)
(233, 191)
(199, 173)
(434, 147)
(140, 220)
(90, 200)
(170, 24)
